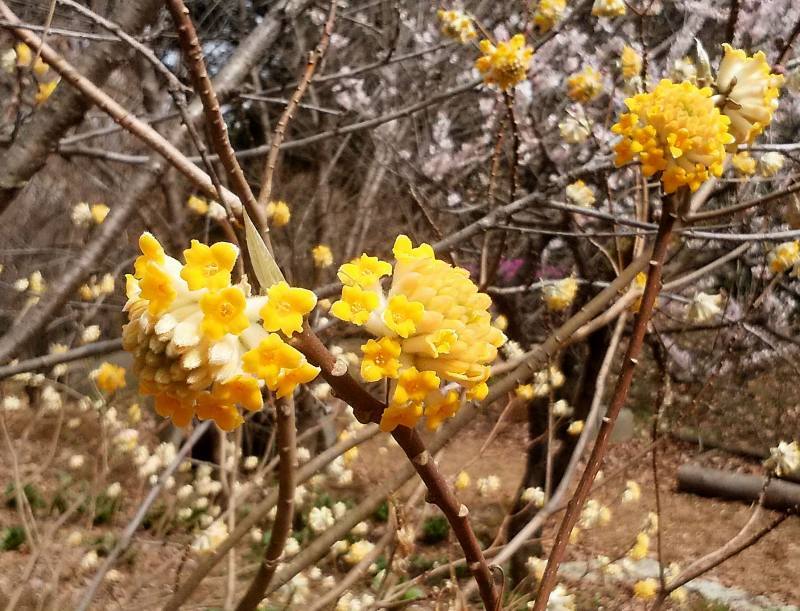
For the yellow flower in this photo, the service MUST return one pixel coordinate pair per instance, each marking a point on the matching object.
(559, 295)
(640, 549)
(744, 164)
(209, 267)
(286, 307)
(179, 410)
(585, 86)
(99, 213)
(413, 385)
(783, 256)
(355, 306)
(322, 255)
(462, 480)
(272, 355)
(381, 359)
(501, 322)
(43, 92)
(279, 213)
(525, 391)
(242, 390)
(457, 25)
(364, 272)
(151, 251)
(645, 589)
(748, 92)
(198, 205)
(639, 283)
(402, 315)
(608, 8)
(213, 406)
(677, 130)
(401, 415)
(631, 63)
(506, 64)
(771, 163)
(439, 407)
(290, 378)
(548, 13)
(24, 55)
(109, 377)
(403, 249)
(580, 194)
(157, 288)
(223, 312)
(575, 428)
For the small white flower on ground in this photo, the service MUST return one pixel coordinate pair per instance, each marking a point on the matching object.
(75, 538)
(704, 307)
(303, 454)
(784, 459)
(339, 509)
(89, 560)
(291, 547)
(113, 576)
(360, 529)
(533, 495)
(561, 409)
(76, 461)
(114, 490)
(632, 493)
(358, 551)
(771, 163)
(340, 547)
(208, 540)
(575, 428)
(488, 486)
(320, 519)
(594, 514)
(536, 566)
(250, 463)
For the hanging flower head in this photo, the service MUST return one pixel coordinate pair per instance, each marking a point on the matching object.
(747, 92)
(608, 8)
(675, 129)
(585, 86)
(435, 337)
(457, 25)
(630, 62)
(197, 343)
(548, 13)
(506, 63)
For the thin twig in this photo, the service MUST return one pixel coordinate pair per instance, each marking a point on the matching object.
(619, 397)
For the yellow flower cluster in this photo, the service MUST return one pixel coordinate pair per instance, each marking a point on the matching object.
(279, 213)
(195, 338)
(435, 337)
(505, 64)
(457, 25)
(784, 256)
(559, 295)
(585, 86)
(744, 164)
(21, 57)
(322, 255)
(109, 377)
(675, 129)
(608, 8)
(548, 13)
(747, 92)
(580, 193)
(630, 62)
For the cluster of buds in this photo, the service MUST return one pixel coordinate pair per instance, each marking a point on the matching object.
(197, 343)
(435, 339)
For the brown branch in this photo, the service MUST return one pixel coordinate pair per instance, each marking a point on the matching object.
(280, 130)
(287, 479)
(368, 409)
(733, 18)
(49, 360)
(618, 399)
(193, 55)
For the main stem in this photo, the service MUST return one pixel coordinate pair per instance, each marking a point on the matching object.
(618, 400)
(367, 408)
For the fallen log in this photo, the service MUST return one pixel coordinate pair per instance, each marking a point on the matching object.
(781, 495)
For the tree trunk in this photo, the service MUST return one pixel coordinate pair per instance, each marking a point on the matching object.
(780, 495)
